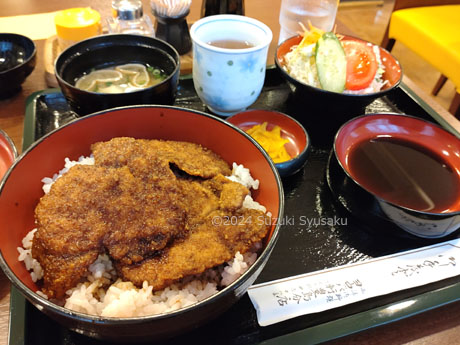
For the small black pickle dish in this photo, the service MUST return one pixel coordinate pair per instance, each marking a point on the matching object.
(17, 61)
(403, 182)
(109, 51)
(298, 145)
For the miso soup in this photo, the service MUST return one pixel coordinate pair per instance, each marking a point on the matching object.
(121, 79)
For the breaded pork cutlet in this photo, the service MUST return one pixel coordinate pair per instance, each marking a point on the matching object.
(211, 243)
(193, 159)
(218, 228)
(161, 210)
(92, 210)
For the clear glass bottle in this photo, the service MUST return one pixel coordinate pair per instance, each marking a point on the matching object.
(128, 18)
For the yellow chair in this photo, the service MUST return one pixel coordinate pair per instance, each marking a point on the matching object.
(431, 29)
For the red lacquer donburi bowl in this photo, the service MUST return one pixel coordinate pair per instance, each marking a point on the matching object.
(21, 190)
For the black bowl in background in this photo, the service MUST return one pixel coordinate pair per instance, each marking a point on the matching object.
(111, 50)
(17, 61)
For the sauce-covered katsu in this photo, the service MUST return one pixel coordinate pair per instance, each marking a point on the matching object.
(160, 210)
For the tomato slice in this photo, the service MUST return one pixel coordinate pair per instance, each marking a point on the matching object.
(361, 64)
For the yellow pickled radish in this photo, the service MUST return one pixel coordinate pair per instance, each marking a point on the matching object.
(271, 141)
(89, 82)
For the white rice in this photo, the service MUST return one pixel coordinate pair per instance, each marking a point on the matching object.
(48, 181)
(242, 175)
(102, 293)
(25, 255)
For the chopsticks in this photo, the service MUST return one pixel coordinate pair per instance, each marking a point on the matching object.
(171, 8)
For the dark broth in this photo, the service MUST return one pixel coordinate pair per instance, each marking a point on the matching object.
(12, 55)
(406, 174)
(231, 44)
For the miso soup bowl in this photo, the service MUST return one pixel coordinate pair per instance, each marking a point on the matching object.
(21, 190)
(414, 130)
(113, 50)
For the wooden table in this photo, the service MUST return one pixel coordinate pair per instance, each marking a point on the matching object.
(439, 326)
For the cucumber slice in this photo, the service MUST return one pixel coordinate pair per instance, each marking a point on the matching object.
(331, 63)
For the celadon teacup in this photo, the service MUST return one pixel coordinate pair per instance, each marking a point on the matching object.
(229, 80)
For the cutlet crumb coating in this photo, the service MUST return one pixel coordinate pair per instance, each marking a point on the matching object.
(152, 206)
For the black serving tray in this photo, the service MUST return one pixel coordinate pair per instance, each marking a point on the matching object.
(300, 249)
